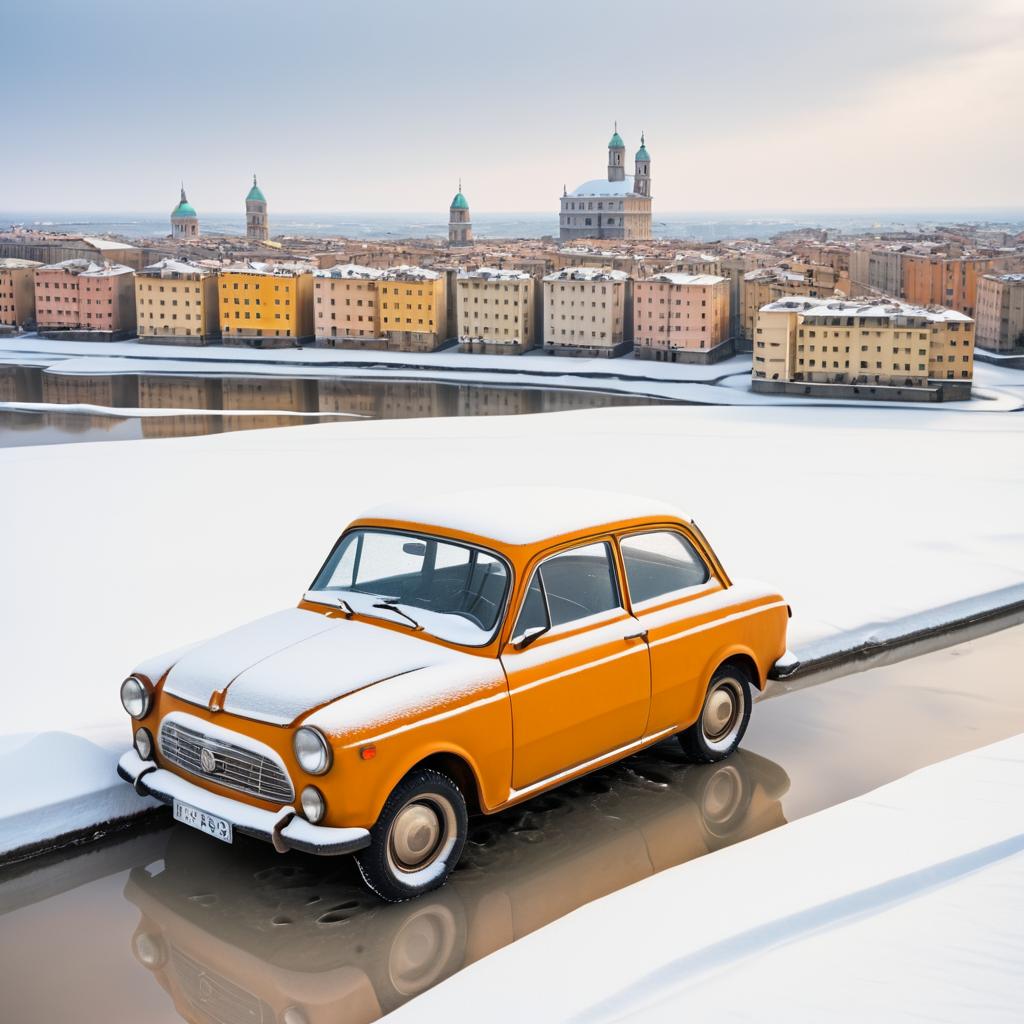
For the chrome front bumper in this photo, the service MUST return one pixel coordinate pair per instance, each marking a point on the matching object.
(284, 829)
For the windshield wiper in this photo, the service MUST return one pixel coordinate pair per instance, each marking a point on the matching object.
(390, 606)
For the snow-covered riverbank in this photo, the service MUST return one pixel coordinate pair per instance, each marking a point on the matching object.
(906, 903)
(870, 521)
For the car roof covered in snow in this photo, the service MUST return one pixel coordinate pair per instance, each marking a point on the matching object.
(523, 515)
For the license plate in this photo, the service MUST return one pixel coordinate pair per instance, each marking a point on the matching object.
(208, 823)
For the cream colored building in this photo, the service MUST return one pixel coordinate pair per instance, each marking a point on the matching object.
(177, 300)
(17, 292)
(863, 348)
(413, 308)
(346, 305)
(1000, 303)
(681, 318)
(496, 310)
(586, 311)
(770, 283)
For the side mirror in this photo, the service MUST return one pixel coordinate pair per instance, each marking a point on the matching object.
(414, 547)
(525, 639)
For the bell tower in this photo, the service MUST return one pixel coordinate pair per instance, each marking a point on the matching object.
(616, 156)
(257, 227)
(642, 178)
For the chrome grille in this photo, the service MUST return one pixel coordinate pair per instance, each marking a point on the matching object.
(236, 767)
(215, 997)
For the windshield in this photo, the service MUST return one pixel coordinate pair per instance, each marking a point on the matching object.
(454, 591)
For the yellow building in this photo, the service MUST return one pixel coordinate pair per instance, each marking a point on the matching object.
(585, 311)
(495, 310)
(770, 283)
(346, 306)
(176, 300)
(266, 304)
(413, 308)
(17, 292)
(863, 349)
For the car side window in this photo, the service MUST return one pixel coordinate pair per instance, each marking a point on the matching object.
(659, 563)
(569, 586)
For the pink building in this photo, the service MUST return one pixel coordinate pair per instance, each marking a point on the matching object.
(82, 295)
(682, 317)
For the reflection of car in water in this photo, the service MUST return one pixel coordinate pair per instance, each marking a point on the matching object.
(244, 935)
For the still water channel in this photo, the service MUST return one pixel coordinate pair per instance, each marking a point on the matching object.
(169, 924)
(219, 404)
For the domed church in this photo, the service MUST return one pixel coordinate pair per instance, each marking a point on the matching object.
(618, 206)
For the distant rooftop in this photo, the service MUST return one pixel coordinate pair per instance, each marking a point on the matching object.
(699, 279)
(587, 274)
(406, 273)
(350, 271)
(168, 267)
(495, 274)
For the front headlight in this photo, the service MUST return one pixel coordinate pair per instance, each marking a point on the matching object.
(143, 744)
(313, 805)
(312, 751)
(136, 697)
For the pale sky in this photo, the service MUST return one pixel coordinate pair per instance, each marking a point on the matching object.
(342, 106)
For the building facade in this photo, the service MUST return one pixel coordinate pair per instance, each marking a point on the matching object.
(80, 295)
(941, 280)
(682, 318)
(17, 292)
(1000, 299)
(863, 349)
(176, 300)
(266, 304)
(184, 220)
(495, 310)
(587, 312)
(257, 227)
(413, 308)
(460, 227)
(346, 305)
(618, 206)
(767, 284)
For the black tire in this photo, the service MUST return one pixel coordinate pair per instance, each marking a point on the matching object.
(703, 743)
(405, 857)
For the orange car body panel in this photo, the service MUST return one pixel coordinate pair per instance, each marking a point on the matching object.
(575, 699)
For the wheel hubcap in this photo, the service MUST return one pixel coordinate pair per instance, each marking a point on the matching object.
(719, 712)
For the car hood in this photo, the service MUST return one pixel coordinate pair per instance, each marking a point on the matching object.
(282, 666)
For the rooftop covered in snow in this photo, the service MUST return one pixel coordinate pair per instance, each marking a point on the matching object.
(871, 308)
(587, 274)
(668, 277)
(494, 274)
(172, 268)
(523, 515)
(351, 271)
(601, 187)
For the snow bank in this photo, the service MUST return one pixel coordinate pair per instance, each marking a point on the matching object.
(864, 519)
(54, 783)
(904, 904)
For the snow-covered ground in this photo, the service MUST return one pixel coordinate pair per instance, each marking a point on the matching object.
(725, 383)
(906, 903)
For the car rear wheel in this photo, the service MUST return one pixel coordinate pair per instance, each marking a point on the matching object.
(723, 717)
(418, 838)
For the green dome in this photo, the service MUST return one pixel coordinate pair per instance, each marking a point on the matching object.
(642, 154)
(255, 193)
(184, 209)
(459, 202)
(616, 142)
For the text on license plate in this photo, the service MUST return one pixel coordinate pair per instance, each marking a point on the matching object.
(208, 823)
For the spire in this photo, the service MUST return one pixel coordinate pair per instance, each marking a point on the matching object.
(183, 199)
(254, 173)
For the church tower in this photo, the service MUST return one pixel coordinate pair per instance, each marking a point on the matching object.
(642, 178)
(460, 228)
(184, 219)
(616, 157)
(257, 228)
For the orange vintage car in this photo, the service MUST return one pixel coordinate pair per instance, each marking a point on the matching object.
(453, 656)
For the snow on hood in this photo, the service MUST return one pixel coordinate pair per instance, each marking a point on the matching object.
(281, 666)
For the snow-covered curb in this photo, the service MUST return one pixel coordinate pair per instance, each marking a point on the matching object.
(904, 903)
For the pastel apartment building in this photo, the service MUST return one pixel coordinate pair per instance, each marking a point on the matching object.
(17, 292)
(496, 310)
(266, 304)
(413, 308)
(946, 280)
(80, 295)
(587, 311)
(346, 306)
(863, 349)
(176, 300)
(681, 318)
(766, 284)
(1000, 299)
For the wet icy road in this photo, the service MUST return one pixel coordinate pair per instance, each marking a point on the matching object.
(169, 924)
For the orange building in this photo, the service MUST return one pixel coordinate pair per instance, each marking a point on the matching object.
(17, 292)
(941, 280)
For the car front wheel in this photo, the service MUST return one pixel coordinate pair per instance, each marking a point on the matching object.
(723, 717)
(418, 838)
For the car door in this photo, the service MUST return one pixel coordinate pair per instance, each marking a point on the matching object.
(674, 595)
(577, 666)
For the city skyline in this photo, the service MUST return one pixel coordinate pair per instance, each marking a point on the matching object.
(904, 109)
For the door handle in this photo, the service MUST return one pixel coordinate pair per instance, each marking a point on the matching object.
(642, 635)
